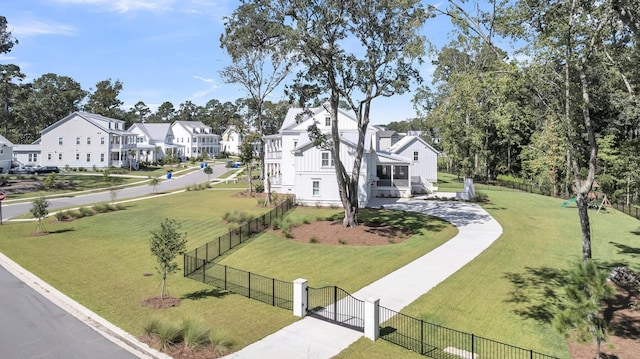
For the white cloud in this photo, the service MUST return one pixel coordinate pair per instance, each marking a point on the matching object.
(123, 6)
(4, 57)
(32, 27)
(203, 79)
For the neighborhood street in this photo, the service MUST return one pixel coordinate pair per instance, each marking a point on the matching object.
(32, 326)
(176, 182)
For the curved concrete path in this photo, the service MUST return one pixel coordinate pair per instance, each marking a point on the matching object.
(314, 338)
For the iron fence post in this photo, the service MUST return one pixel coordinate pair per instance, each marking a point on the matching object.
(219, 245)
(206, 251)
(204, 271)
(335, 303)
(273, 292)
(225, 277)
(473, 339)
(249, 285)
(421, 337)
(184, 265)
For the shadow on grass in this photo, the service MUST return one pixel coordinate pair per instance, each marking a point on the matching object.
(537, 292)
(64, 230)
(625, 249)
(408, 221)
(206, 293)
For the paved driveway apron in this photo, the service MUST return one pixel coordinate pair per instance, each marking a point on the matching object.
(314, 338)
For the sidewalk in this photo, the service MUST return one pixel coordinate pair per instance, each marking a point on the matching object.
(314, 338)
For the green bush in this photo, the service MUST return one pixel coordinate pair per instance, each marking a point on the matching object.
(62, 216)
(86, 211)
(194, 334)
(259, 187)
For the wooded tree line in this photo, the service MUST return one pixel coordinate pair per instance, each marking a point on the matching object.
(29, 107)
(559, 105)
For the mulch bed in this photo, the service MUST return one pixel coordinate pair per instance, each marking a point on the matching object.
(159, 303)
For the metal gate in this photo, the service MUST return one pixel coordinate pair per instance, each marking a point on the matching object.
(336, 305)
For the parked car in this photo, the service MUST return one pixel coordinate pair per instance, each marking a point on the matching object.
(47, 169)
(22, 170)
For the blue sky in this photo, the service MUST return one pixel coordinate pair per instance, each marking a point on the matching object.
(161, 50)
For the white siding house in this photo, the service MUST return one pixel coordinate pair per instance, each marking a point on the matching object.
(231, 140)
(6, 154)
(154, 141)
(196, 137)
(86, 140)
(294, 165)
(27, 155)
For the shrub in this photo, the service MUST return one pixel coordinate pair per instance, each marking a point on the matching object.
(168, 334)
(62, 216)
(101, 208)
(313, 239)
(287, 233)
(480, 197)
(276, 224)
(259, 187)
(194, 334)
(342, 241)
(86, 211)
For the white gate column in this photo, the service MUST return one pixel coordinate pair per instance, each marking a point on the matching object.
(300, 288)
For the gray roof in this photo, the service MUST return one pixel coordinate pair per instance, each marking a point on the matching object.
(297, 115)
(4, 141)
(386, 133)
(99, 121)
(156, 132)
(407, 140)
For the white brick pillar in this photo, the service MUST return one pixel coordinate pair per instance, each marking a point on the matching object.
(300, 289)
(372, 318)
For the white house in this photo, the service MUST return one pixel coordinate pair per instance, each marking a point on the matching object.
(196, 137)
(294, 165)
(230, 140)
(6, 154)
(87, 140)
(27, 155)
(154, 141)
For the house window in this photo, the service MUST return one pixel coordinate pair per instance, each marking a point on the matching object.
(77, 140)
(327, 121)
(49, 156)
(60, 140)
(60, 156)
(327, 160)
(102, 140)
(77, 156)
(88, 140)
(102, 157)
(316, 188)
(415, 155)
(33, 157)
(88, 157)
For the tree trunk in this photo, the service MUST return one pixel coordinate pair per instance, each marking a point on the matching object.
(583, 208)
(249, 177)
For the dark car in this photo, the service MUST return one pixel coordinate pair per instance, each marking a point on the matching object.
(47, 169)
(22, 170)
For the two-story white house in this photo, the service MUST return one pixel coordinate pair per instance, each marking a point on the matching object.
(197, 139)
(6, 154)
(154, 141)
(230, 140)
(87, 140)
(294, 165)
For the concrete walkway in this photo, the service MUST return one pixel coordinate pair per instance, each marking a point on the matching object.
(314, 338)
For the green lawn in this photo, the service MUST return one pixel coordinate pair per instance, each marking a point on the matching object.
(508, 292)
(349, 267)
(505, 294)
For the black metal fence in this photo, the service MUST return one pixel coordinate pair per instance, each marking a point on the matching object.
(630, 209)
(439, 342)
(254, 286)
(193, 261)
(336, 305)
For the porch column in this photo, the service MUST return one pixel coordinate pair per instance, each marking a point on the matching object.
(300, 290)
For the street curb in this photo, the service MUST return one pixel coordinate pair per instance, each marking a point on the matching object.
(93, 320)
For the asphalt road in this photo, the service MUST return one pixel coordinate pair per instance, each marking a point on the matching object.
(176, 182)
(33, 327)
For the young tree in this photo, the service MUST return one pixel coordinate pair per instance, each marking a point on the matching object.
(166, 243)
(257, 40)
(582, 308)
(39, 211)
(353, 51)
(208, 171)
(248, 154)
(112, 183)
(154, 182)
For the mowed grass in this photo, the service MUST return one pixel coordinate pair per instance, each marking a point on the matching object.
(349, 267)
(508, 292)
(101, 262)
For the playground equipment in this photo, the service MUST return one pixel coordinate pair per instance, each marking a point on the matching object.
(568, 202)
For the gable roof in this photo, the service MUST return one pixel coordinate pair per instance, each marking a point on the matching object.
(4, 141)
(387, 133)
(97, 120)
(291, 119)
(348, 138)
(190, 126)
(405, 141)
(156, 132)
